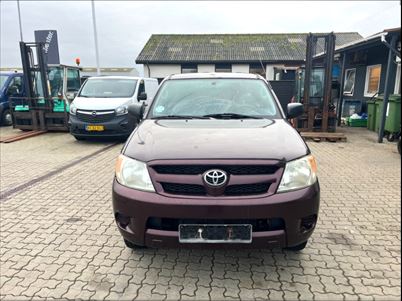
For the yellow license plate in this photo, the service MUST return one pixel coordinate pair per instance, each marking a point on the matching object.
(98, 128)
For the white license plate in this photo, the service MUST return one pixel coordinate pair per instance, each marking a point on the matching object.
(215, 233)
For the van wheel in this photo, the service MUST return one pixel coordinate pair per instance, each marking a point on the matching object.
(130, 245)
(6, 118)
(79, 138)
(298, 247)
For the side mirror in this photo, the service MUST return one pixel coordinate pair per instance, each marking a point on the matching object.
(142, 96)
(295, 109)
(137, 110)
(71, 95)
(12, 90)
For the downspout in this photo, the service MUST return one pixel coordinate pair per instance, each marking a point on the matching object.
(339, 106)
(390, 47)
(149, 70)
(390, 66)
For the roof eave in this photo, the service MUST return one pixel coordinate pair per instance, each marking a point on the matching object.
(150, 62)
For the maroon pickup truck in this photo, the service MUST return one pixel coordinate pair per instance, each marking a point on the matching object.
(213, 163)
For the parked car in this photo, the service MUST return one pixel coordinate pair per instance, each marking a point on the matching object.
(100, 107)
(215, 160)
(11, 85)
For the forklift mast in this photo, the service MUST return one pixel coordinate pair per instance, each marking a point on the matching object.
(34, 69)
(314, 83)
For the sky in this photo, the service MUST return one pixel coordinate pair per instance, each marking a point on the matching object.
(124, 27)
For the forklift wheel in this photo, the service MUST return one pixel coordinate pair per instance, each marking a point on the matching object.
(6, 118)
(399, 146)
(390, 137)
(79, 138)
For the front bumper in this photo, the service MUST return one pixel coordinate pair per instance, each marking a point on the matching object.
(139, 206)
(118, 126)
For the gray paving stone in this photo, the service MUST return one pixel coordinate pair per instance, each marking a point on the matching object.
(354, 253)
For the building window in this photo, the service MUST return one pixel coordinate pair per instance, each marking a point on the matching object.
(373, 77)
(189, 68)
(397, 89)
(349, 86)
(257, 68)
(223, 68)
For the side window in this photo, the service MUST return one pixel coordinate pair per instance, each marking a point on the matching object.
(73, 80)
(15, 86)
(150, 89)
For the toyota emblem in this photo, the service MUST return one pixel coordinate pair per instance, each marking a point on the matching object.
(93, 113)
(215, 177)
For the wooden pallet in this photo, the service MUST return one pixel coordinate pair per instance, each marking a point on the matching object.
(21, 136)
(320, 136)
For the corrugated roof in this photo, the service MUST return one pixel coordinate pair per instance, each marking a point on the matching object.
(166, 48)
(364, 41)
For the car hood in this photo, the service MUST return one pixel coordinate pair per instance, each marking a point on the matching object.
(86, 103)
(215, 139)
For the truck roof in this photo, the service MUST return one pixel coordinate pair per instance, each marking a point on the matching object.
(117, 77)
(215, 75)
(10, 73)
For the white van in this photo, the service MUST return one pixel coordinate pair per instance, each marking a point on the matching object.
(100, 107)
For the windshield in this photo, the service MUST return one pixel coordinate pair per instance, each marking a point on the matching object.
(203, 97)
(109, 88)
(3, 79)
(55, 75)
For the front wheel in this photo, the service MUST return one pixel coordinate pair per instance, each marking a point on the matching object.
(6, 118)
(399, 146)
(298, 247)
(130, 245)
(79, 138)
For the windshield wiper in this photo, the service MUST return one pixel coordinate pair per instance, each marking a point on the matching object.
(180, 117)
(232, 116)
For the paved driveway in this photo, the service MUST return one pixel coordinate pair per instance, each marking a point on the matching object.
(58, 238)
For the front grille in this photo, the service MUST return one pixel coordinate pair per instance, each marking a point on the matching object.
(232, 190)
(230, 169)
(247, 178)
(98, 118)
(184, 189)
(172, 224)
(246, 189)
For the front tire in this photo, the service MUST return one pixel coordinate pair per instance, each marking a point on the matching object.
(297, 247)
(79, 138)
(130, 245)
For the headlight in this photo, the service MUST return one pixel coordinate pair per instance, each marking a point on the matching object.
(133, 174)
(73, 109)
(121, 110)
(298, 174)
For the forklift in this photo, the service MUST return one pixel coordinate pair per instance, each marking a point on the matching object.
(317, 91)
(48, 92)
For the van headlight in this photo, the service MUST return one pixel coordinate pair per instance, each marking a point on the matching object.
(73, 109)
(299, 174)
(133, 174)
(121, 110)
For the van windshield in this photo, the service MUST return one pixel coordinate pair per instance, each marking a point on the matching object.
(3, 79)
(109, 88)
(214, 98)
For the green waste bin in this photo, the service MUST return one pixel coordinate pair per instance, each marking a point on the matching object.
(393, 116)
(371, 110)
